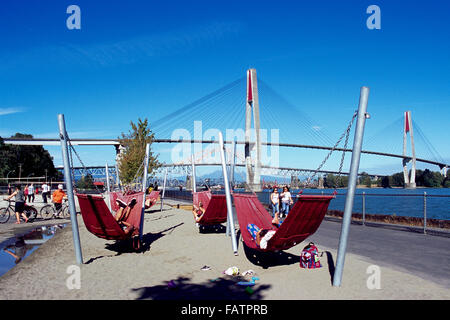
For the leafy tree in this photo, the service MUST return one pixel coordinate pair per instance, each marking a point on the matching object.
(397, 180)
(133, 154)
(365, 179)
(25, 160)
(385, 182)
(86, 182)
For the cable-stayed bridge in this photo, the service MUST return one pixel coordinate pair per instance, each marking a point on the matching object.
(229, 110)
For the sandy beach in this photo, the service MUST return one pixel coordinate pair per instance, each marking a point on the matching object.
(176, 251)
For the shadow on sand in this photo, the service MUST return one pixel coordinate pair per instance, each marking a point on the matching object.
(126, 246)
(218, 228)
(216, 289)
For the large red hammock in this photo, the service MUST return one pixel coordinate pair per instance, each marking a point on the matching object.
(302, 221)
(100, 221)
(113, 196)
(215, 207)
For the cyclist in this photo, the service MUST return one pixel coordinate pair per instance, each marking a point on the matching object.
(57, 197)
(20, 203)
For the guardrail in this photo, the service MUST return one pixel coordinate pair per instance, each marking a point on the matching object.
(187, 196)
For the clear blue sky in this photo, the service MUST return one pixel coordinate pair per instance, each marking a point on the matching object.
(146, 59)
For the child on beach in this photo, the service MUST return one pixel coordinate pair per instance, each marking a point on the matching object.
(261, 236)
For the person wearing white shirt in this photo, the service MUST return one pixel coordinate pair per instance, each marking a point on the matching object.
(286, 200)
(31, 193)
(45, 190)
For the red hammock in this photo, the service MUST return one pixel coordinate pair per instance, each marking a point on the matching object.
(153, 196)
(215, 207)
(100, 221)
(113, 196)
(303, 220)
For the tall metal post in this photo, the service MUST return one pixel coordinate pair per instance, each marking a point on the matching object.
(69, 187)
(424, 212)
(144, 187)
(117, 176)
(226, 183)
(233, 163)
(194, 182)
(108, 189)
(164, 189)
(363, 208)
(356, 155)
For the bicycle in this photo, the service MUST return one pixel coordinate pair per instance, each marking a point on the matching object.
(5, 213)
(49, 211)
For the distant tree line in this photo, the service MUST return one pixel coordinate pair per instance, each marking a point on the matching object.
(28, 161)
(424, 178)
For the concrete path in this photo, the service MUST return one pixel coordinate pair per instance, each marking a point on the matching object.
(426, 256)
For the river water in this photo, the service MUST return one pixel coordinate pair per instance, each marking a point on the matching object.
(398, 201)
(401, 202)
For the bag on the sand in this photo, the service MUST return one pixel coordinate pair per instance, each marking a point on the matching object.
(309, 258)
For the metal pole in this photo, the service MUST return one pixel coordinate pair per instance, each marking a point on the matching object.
(194, 183)
(117, 176)
(69, 186)
(424, 212)
(356, 155)
(228, 195)
(164, 190)
(144, 187)
(232, 166)
(233, 163)
(108, 189)
(364, 208)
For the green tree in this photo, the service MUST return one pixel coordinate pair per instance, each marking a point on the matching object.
(385, 182)
(86, 182)
(133, 154)
(25, 160)
(365, 179)
(397, 180)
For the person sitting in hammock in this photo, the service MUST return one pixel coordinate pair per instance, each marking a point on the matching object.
(261, 236)
(123, 213)
(198, 211)
(149, 202)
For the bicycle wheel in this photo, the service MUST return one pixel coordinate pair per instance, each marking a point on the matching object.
(31, 213)
(4, 215)
(47, 212)
(65, 212)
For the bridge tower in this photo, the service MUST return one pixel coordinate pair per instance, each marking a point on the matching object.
(410, 182)
(253, 165)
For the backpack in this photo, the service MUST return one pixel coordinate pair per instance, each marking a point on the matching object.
(309, 258)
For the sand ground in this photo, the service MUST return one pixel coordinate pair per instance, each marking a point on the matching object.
(174, 250)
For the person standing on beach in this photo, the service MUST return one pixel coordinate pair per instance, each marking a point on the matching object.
(20, 203)
(286, 201)
(31, 193)
(44, 192)
(25, 191)
(275, 201)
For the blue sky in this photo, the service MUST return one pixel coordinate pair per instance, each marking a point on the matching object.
(147, 59)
